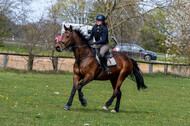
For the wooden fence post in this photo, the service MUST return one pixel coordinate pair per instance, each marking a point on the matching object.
(179, 69)
(165, 69)
(150, 68)
(4, 61)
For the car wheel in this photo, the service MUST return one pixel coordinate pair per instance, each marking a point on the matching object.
(147, 58)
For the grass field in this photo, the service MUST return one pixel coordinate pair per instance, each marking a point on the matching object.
(39, 98)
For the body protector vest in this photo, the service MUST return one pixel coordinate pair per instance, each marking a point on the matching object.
(97, 32)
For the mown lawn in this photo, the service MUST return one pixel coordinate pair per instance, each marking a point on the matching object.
(39, 98)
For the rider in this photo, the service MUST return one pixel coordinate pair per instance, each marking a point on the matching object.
(100, 33)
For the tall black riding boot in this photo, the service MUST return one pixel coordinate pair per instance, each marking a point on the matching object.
(104, 63)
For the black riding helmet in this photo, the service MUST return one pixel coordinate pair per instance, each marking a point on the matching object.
(100, 17)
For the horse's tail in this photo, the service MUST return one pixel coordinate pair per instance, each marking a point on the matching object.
(137, 76)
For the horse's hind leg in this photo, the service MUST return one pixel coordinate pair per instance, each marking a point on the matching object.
(116, 84)
(118, 101)
(110, 101)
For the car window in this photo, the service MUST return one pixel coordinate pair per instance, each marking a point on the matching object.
(137, 48)
(126, 47)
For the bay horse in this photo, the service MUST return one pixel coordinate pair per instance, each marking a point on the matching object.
(86, 68)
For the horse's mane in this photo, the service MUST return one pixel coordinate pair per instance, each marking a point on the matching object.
(81, 35)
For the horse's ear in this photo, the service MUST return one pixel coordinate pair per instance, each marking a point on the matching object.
(65, 28)
(71, 28)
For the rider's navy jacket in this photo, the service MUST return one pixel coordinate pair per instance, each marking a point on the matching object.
(100, 33)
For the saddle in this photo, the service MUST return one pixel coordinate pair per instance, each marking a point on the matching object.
(110, 59)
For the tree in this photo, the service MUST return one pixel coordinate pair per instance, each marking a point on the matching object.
(119, 14)
(71, 11)
(5, 9)
(50, 30)
(31, 37)
(10, 13)
(178, 38)
(4, 29)
(125, 17)
(154, 31)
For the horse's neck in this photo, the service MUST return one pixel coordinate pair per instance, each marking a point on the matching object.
(81, 49)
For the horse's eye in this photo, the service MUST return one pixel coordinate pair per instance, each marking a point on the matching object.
(67, 36)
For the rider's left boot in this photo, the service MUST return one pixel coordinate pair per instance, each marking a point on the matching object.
(104, 63)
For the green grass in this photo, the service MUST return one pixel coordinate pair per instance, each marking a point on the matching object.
(31, 99)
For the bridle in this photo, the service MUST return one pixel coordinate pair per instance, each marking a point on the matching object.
(68, 41)
(67, 44)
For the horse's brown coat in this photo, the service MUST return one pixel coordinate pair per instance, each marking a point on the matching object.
(86, 67)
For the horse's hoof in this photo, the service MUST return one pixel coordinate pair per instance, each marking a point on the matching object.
(66, 107)
(105, 108)
(84, 103)
(113, 111)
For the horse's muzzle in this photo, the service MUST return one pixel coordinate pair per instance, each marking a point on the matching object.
(58, 49)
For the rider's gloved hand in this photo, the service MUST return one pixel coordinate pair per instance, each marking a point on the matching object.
(93, 43)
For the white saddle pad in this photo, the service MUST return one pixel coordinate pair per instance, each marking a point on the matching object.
(110, 62)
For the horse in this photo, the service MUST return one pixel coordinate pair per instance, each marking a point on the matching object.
(87, 69)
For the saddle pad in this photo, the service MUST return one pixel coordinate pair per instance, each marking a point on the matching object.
(110, 61)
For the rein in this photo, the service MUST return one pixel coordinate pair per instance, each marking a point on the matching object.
(84, 57)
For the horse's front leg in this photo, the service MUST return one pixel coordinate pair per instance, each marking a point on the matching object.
(81, 98)
(85, 81)
(76, 80)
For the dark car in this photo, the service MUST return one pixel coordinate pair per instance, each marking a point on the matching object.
(135, 51)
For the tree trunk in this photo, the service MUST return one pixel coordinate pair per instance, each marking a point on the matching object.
(30, 62)
(55, 63)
